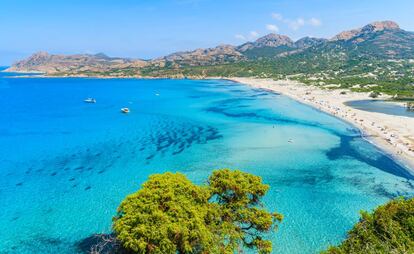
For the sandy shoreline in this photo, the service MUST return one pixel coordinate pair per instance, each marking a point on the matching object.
(393, 134)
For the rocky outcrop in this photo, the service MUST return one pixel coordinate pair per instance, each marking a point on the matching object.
(50, 64)
(218, 55)
(370, 28)
(271, 40)
(381, 40)
(306, 42)
(381, 25)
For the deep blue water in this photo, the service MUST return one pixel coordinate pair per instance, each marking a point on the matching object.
(65, 165)
(379, 106)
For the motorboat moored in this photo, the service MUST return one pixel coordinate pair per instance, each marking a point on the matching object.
(125, 110)
(90, 100)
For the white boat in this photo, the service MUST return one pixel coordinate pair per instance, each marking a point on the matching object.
(90, 100)
(125, 110)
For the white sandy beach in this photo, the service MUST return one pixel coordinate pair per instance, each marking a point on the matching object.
(393, 134)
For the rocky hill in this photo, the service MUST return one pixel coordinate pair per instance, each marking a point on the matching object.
(359, 48)
(368, 29)
(271, 40)
(377, 57)
(307, 42)
(43, 62)
(218, 55)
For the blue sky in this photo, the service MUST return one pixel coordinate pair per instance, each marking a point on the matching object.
(151, 28)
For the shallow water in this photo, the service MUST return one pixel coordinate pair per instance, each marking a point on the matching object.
(65, 165)
(389, 108)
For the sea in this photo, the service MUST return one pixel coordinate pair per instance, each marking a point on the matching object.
(65, 165)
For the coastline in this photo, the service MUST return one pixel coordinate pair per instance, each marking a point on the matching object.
(392, 134)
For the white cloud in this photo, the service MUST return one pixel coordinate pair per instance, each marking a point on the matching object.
(296, 24)
(315, 22)
(240, 37)
(277, 16)
(254, 34)
(250, 36)
(272, 28)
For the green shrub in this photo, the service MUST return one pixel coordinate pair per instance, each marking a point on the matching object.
(170, 214)
(374, 94)
(389, 229)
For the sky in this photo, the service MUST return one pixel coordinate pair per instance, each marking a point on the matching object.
(152, 28)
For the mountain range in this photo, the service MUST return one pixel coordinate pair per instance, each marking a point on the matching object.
(375, 53)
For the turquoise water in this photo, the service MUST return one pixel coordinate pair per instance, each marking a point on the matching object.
(65, 165)
(379, 106)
